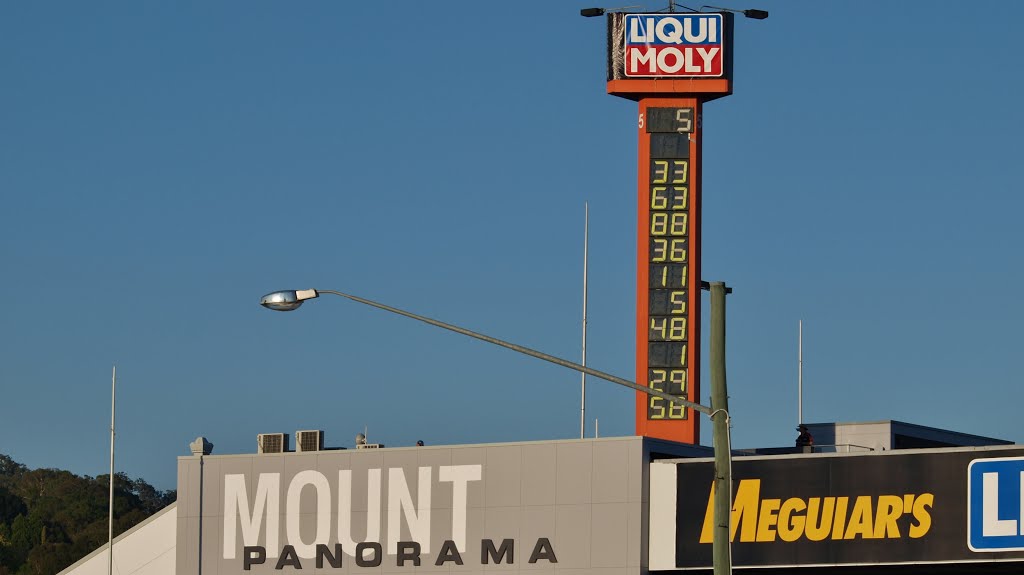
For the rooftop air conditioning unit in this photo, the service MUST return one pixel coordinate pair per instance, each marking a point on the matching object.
(310, 440)
(272, 443)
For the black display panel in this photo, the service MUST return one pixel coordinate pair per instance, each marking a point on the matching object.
(668, 235)
(666, 354)
(670, 381)
(667, 276)
(669, 171)
(670, 145)
(670, 197)
(666, 328)
(670, 120)
(667, 302)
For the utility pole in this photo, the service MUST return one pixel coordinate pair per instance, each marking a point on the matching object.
(721, 547)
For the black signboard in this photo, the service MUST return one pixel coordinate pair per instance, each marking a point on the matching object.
(848, 509)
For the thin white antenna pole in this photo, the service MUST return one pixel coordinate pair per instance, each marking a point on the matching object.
(800, 375)
(583, 376)
(597, 429)
(110, 510)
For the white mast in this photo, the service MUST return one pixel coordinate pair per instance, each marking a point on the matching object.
(583, 376)
(800, 375)
(110, 510)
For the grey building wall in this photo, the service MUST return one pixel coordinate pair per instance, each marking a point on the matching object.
(852, 437)
(586, 500)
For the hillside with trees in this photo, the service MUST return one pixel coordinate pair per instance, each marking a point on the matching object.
(51, 518)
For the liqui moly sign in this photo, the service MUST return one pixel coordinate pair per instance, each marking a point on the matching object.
(674, 45)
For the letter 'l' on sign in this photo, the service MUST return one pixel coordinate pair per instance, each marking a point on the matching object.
(995, 504)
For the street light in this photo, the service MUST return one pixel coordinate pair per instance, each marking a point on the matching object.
(290, 300)
(752, 13)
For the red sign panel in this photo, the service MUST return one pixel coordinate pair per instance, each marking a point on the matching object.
(674, 45)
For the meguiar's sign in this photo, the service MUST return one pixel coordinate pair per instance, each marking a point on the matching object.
(924, 506)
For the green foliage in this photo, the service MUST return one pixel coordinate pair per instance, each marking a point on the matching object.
(11, 506)
(10, 467)
(51, 518)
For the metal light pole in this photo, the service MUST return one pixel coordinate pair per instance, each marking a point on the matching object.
(721, 549)
(110, 500)
(290, 300)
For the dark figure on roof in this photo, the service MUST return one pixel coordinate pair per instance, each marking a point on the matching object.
(805, 439)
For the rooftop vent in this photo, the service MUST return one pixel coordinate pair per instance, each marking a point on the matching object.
(309, 440)
(201, 446)
(271, 443)
(362, 444)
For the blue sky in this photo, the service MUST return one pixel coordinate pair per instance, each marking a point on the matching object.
(163, 165)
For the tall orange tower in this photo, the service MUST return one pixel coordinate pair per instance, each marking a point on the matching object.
(670, 64)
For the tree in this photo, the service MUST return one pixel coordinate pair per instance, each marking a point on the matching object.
(10, 467)
(50, 518)
(10, 506)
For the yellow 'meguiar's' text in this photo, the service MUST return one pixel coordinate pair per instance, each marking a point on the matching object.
(763, 520)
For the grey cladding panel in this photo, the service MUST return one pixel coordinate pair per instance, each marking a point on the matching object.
(577, 496)
(538, 474)
(574, 469)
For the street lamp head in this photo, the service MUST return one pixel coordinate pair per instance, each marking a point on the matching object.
(752, 13)
(287, 300)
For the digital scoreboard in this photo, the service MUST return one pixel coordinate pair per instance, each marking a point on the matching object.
(670, 64)
(667, 236)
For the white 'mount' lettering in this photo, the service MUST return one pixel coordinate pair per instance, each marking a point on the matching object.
(236, 510)
(319, 483)
(261, 516)
(345, 509)
(400, 504)
(459, 476)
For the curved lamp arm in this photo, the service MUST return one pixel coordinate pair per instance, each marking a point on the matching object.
(291, 299)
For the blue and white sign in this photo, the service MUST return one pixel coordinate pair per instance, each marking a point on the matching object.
(995, 506)
(689, 45)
